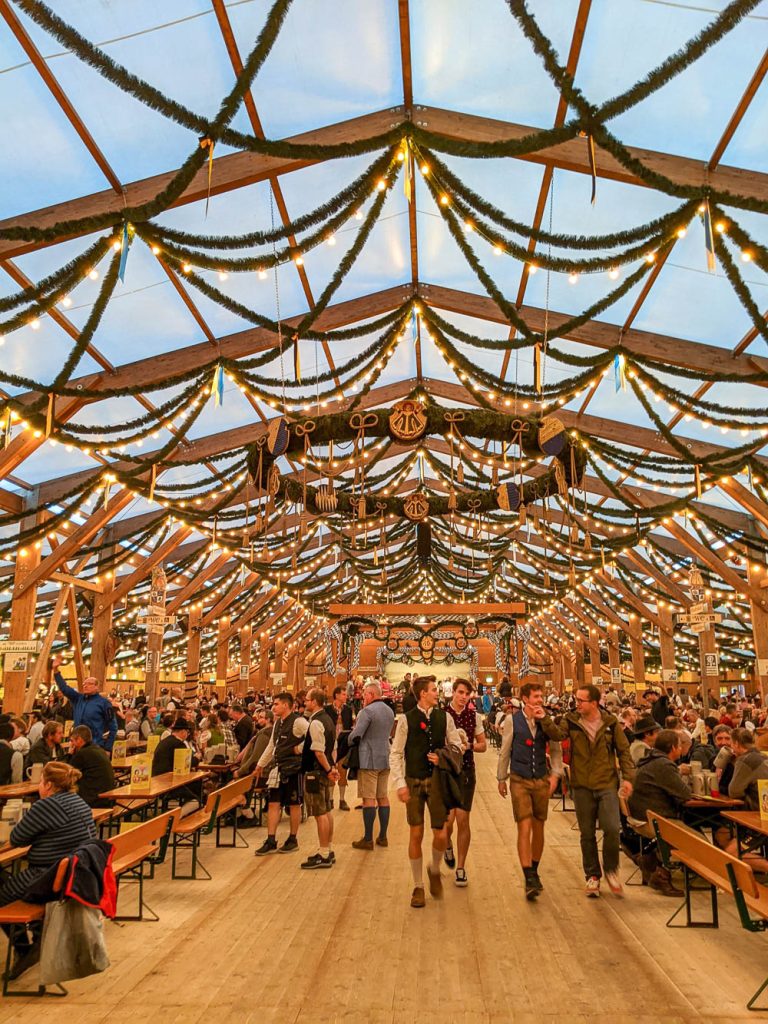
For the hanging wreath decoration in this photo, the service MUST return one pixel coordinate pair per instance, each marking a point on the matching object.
(409, 422)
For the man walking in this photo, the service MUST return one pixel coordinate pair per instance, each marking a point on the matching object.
(89, 707)
(340, 713)
(465, 718)
(523, 758)
(373, 729)
(420, 734)
(597, 741)
(319, 777)
(285, 784)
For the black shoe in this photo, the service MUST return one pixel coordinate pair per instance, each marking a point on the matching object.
(538, 881)
(449, 858)
(290, 845)
(332, 855)
(22, 963)
(316, 861)
(343, 805)
(531, 888)
(268, 846)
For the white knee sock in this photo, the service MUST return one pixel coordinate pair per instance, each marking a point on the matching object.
(417, 870)
(437, 856)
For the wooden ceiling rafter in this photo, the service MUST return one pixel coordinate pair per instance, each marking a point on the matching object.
(225, 27)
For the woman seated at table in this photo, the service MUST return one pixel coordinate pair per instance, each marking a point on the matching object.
(59, 823)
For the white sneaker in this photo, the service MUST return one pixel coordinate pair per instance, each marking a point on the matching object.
(614, 883)
(461, 878)
(592, 887)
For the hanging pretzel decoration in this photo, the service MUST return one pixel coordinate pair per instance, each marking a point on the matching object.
(361, 421)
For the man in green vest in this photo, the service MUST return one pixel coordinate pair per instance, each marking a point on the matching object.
(420, 734)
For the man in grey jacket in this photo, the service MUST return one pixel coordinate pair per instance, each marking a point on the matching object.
(373, 729)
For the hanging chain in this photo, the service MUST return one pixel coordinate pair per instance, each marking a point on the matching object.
(277, 293)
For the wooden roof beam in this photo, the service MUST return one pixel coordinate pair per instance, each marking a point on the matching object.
(231, 171)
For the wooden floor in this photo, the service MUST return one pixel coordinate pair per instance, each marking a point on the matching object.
(267, 942)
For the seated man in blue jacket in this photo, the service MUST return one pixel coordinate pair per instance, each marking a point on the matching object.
(89, 707)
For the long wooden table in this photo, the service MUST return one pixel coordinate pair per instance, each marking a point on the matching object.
(746, 821)
(703, 811)
(159, 785)
(12, 854)
(18, 789)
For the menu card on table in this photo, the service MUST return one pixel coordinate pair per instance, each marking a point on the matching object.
(141, 773)
(182, 761)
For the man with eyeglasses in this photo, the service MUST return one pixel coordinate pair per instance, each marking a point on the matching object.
(597, 742)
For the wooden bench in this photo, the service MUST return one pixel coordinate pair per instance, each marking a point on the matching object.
(698, 857)
(19, 914)
(724, 873)
(145, 842)
(188, 831)
(109, 819)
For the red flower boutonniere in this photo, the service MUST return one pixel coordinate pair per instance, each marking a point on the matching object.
(423, 725)
(529, 743)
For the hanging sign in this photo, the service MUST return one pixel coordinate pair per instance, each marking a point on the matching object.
(710, 665)
(669, 675)
(245, 671)
(762, 666)
(21, 646)
(156, 620)
(616, 676)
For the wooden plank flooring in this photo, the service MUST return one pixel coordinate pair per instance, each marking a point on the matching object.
(267, 942)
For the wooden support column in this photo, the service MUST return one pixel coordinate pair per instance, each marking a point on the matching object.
(222, 657)
(614, 656)
(594, 658)
(101, 642)
(578, 647)
(301, 665)
(194, 642)
(22, 622)
(707, 658)
(557, 671)
(667, 647)
(279, 658)
(638, 660)
(155, 635)
(759, 632)
(74, 632)
(264, 661)
(40, 670)
(246, 637)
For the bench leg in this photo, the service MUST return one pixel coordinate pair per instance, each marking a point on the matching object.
(756, 996)
(146, 913)
(41, 990)
(238, 839)
(197, 865)
(686, 904)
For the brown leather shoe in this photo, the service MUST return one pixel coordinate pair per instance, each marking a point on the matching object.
(418, 898)
(382, 841)
(363, 844)
(661, 881)
(435, 884)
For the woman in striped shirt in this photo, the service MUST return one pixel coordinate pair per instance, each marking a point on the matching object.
(54, 827)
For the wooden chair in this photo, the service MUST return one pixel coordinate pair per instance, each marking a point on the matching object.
(18, 915)
(145, 842)
(188, 831)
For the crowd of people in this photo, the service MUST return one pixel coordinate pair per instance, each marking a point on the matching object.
(622, 754)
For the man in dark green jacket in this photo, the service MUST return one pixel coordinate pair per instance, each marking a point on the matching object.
(597, 743)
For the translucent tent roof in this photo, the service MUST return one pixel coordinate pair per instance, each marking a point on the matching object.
(72, 134)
